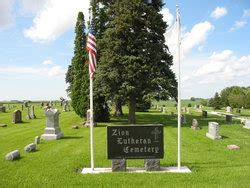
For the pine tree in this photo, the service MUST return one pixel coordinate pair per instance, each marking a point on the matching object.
(134, 61)
(77, 77)
(77, 74)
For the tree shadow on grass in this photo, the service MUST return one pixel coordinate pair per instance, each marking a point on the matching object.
(71, 137)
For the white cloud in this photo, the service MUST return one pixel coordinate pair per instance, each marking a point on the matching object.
(222, 56)
(54, 18)
(223, 67)
(246, 13)
(51, 72)
(6, 17)
(218, 12)
(238, 25)
(194, 38)
(47, 62)
(167, 16)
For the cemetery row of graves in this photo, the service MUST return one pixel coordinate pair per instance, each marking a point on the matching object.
(39, 141)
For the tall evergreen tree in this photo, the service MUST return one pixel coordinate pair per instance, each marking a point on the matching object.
(134, 60)
(77, 74)
(77, 77)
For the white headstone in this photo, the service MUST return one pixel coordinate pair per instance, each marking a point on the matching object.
(213, 131)
(52, 131)
(228, 109)
(247, 124)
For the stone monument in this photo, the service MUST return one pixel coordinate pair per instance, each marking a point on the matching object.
(228, 109)
(17, 116)
(229, 118)
(52, 131)
(87, 123)
(183, 119)
(28, 113)
(2, 109)
(204, 113)
(32, 113)
(213, 130)
(195, 125)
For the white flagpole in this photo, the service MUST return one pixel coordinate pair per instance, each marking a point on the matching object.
(91, 108)
(179, 87)
(91, 124)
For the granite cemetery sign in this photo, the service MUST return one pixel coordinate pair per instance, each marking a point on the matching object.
(135, 142)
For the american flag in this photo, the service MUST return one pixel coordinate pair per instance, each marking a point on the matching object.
(91, 47)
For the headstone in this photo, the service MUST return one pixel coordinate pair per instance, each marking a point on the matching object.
(204, 113)
(17, 116)
(3, 125)
(30, 147)
(233, 147)
(183, 119)
(195, 125)
(22, 107)
(37, 140)
(228, 109)
(2, 109)
(164, 110)
(119, 165)
(32, 112)
(13, 155)
(52, 131)
(26, 104)
(188, 110)
(152, 164)
(229, 118)
(28, 113)
(65, 107)
(213, 131)
(247, 124)
(75, 127)
(87, 123)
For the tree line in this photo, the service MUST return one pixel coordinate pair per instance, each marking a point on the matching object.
(235, 96)
(133, 60)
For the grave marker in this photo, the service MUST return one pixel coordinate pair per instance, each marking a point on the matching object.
(213, 131)
(17, 116)
(52, 131)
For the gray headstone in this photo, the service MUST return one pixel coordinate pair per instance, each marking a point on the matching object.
(87, 123)
(17, 116)
(32, 112)
(195, 125)
(28, 113)
(13, 155)
(247, 124)
(37, 140)
(183, 119)
(213, 131)
(152, 164)
(30, 147)
(119, 165)
(52, 131)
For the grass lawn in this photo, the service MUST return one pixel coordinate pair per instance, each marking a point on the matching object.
(57, 163)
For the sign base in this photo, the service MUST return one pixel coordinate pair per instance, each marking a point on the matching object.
(182, 169)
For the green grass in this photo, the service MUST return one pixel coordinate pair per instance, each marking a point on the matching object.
(57, 163)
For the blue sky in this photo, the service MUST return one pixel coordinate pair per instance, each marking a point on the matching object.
(36, 46)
